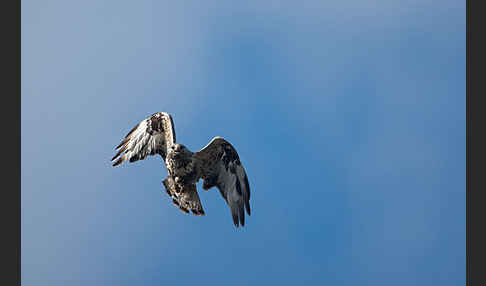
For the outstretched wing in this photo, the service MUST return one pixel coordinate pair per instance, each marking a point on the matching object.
(219, 165)
(153, 135)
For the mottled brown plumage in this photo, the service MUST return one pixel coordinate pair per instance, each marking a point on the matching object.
(218, 164)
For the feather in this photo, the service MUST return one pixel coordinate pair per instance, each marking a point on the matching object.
(219, 165)
(184, 196)
(154, 135)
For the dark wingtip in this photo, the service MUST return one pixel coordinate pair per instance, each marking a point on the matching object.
(117, 154)
(247, 206)
(118, 162)
(242, 215)
(235, 220)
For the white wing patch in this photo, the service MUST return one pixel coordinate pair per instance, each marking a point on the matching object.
(151, 136)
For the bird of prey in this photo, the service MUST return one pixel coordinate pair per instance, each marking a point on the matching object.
(218, 164)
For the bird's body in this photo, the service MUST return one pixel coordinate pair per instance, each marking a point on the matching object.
(218, 164)
(181, 164)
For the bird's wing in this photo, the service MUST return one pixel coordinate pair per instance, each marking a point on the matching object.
(184, 196)
(154, 135)
(219, 165)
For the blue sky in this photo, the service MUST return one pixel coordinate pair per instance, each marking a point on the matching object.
(349, 118)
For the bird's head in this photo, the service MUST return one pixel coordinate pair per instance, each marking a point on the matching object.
(179, 148)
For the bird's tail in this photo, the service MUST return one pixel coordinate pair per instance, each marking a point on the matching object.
(183, 196)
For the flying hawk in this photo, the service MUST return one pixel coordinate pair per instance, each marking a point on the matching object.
(218, 164)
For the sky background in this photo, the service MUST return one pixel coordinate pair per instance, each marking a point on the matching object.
(349, 117)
